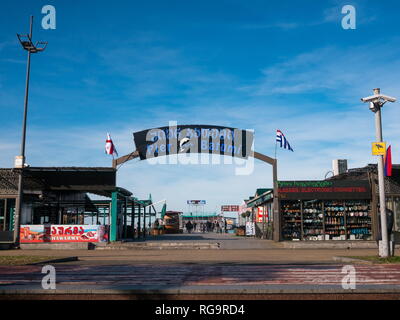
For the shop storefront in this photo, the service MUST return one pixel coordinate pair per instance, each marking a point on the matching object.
(261, 217)
(57, 207)
(343, 207)
(392, 194)
(326, 210)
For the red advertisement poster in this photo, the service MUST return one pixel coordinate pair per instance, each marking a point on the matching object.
(260, 213)
(59, 233)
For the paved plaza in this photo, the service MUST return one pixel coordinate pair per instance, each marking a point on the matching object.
(242, 266)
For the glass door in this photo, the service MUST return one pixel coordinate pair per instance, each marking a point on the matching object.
(7, 210)
(396, 203)
(3, 214)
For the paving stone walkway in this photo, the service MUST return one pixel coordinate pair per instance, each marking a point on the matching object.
(198, 277)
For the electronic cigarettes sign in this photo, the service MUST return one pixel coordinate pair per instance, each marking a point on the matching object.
(331, 189)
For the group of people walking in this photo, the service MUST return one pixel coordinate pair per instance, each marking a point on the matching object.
(204, 227)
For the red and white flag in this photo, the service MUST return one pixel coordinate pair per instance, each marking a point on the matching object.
(110, 148)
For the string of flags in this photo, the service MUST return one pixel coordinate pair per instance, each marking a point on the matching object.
(283, 142)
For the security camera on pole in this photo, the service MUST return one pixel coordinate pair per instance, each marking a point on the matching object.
(376, 103)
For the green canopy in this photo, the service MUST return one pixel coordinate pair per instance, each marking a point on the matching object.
(199, 214)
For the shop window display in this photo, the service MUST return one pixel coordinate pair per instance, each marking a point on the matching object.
(358, 216)
(313, 225)
(326, 220)
(291, 220)
(335, 215)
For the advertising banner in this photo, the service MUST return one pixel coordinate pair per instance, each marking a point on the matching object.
(250, 229)
(260, 213)
(61, 233)
(196, 201)
(230, 208)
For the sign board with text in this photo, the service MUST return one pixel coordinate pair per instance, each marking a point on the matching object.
(324, 189)
(179, 139)
(196, 202)
(230, 208)
(250, 228)
(40, 233)
(262, 212)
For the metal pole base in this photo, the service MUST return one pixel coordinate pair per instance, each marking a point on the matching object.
(382, 249)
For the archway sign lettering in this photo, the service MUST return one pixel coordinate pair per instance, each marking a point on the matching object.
(211, 139)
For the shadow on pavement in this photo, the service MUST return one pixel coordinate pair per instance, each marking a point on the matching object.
(191, 237)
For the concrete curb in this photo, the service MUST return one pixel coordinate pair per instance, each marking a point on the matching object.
(57, 246)
(161, 246)
(328, 244)
(352, 260)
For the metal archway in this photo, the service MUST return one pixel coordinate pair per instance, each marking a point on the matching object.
(273, 162)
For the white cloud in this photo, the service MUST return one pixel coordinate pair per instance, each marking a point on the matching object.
(340, 73)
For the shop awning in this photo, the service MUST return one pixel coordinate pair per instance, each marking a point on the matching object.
(262, 198)
(200, 215)
(97, 180)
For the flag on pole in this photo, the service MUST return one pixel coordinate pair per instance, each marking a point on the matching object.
(388, 162)
(163, 210)
(110, 148)
(280, 137)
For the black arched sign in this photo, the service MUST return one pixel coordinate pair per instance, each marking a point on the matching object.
(210, 139)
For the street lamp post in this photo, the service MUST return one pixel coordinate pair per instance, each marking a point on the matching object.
(28, 45)
(376, 103)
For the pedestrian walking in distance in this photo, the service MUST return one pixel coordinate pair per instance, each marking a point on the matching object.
(189, 227)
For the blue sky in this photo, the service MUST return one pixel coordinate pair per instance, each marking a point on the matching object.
(124, 66)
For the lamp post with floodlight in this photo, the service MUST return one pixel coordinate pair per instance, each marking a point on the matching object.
(28, 45)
